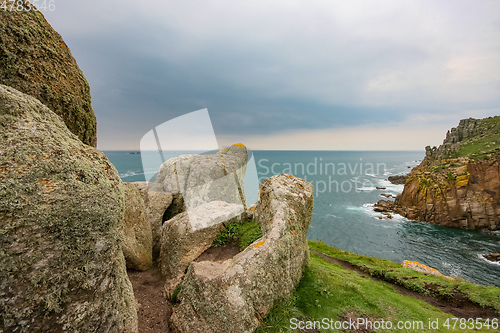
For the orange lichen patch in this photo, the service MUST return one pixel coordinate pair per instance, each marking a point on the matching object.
(290, 176)
(259, 244)
(22, 169)
(253, 207)
(239, 145)
(415, 265)
(48, 184)
(64, 46)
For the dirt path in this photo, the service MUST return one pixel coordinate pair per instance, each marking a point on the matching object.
(219, 254)
(154, 310)
(458, 305)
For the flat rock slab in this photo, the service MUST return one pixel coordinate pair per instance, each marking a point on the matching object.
(205, 178)
(189, 234)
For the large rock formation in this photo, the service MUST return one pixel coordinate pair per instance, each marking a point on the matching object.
(61, 210)
(204, 178)
(457, 184)
(138, 239)
(186, 236)
(233, 295)
(157, 203)
(36, 61)
(145, 205)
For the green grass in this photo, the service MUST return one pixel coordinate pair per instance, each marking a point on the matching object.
(450, 176)
(331, 291)
(412, 280)
(424, 183)
(479, 149)
(242, 233)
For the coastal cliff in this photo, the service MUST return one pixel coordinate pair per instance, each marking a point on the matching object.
(458, 183)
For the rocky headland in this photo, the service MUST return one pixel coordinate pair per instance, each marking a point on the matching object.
(458, 183)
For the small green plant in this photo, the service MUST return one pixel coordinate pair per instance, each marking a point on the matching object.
(227, 235)
(243, 234)
(450, 176)
(174, 300)
(424, 183)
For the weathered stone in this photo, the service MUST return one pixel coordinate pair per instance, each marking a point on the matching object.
(61, 210)
(187, 236)
(138, 240)
(251, 212)
(205, 178)
(233, 295)
(176, 207)
(156, 203)
(416, 266)
(384, 206)
(459, 203)
(398, 179)
(37, 62)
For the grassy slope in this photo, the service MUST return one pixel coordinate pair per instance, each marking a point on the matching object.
(331, 291)
(485, 144)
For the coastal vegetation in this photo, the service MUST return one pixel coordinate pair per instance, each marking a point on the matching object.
(342, 286)
(242, 234)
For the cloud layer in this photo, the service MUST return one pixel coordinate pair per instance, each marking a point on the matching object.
(286, 69)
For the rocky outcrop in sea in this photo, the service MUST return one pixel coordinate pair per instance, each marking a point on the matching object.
(458, 183)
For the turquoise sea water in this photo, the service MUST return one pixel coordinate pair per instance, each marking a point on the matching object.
(345, 191)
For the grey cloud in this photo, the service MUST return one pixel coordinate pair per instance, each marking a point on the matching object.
(287, 66)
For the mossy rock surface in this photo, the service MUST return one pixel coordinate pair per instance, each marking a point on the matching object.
(35, 60)
(61, 213)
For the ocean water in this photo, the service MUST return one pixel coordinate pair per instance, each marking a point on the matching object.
(345, 191)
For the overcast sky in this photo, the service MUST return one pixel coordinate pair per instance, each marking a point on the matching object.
(367, 75)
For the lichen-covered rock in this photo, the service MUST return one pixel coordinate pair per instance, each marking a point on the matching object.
(186, 236)
(61, 209)
(36, 61)
(233, 295)
(138, 239)
(205, 178)
(145, 205)
(416, 266)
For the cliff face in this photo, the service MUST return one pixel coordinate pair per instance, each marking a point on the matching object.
(35, 60)
(458, 183)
